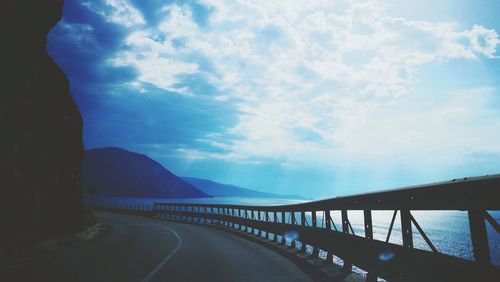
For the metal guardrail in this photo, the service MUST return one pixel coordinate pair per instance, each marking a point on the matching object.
(390, 261)
(403, 262)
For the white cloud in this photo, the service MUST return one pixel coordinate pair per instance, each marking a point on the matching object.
(317, 79)
(118, 11)
(484, 40)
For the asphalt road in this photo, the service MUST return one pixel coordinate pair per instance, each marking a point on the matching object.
(139, 249)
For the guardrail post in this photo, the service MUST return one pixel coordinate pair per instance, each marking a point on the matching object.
(212, 215)
(259, 219)
(196, 213)
(328, 226)
(406, 228)
(203, 214)
(245, 215)
(479, 237)
(208, 216)
(237, 214)
(314, 220)
(225, 212)
(292, 219)
(283, 221)
(252, 218)
(371, 275)
(216, 215)
(267, 220)
(303, 223)
(220, 216)
(345, 229)
(219, 212)
(222, 213)
(213, 218)
(231, 213)
(275, 221)
(234, 215)
(368, 224)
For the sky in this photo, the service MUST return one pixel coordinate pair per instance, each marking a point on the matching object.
(316, 98)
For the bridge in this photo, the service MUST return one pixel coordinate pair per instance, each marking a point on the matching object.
(309, 229)
(313, 241)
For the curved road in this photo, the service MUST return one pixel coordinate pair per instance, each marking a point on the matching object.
(134, 248)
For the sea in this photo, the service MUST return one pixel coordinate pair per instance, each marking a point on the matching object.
(447, 230)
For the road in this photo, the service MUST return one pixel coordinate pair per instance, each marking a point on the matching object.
(134, 248)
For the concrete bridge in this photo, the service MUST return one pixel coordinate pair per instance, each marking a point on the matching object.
(209, 242)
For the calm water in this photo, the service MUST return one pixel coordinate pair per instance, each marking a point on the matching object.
(448, 230)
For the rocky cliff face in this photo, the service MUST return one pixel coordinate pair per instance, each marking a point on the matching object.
(41, 130)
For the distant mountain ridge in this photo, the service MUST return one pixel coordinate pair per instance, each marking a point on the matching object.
(216, 189)
(114, 171)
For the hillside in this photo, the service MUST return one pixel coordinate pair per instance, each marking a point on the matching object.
(118, 172)
(216, 189)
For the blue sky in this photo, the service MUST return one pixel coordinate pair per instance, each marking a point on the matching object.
(318, 98)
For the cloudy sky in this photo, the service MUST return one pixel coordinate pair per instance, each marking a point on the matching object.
(318, 98)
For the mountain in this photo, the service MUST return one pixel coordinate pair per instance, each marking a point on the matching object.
(215, 189)
(118, 172)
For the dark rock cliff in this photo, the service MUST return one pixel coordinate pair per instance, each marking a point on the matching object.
(41, 130)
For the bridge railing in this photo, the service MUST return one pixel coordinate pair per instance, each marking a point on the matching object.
(311, 224)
